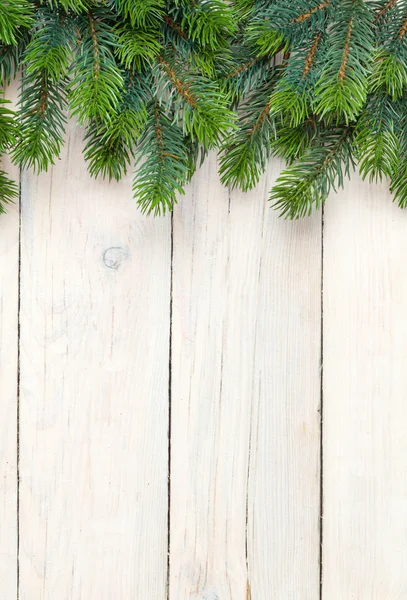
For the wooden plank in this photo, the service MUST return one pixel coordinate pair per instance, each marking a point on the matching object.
(245, 397)
(284, 475)
(9, 235)
(365, 390)
(95, 302)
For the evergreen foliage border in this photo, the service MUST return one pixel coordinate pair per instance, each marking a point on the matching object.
(156, 84)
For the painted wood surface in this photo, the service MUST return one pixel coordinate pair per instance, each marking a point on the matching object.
(365, 393)
(95, 302)
(9, 252)
(207, 326)
(245, 397)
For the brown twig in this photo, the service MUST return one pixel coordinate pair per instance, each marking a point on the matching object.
(242, 68)
(44, 101)
(176, 27)
(389, 5)
(157, 127)
(180, 86)
(96, 66)
(260, 120)
(346, 52)
(307, 15)
(310, 56)
(403, 30)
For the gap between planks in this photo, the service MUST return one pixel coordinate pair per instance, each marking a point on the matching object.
(169, 411)
(321, 426)
(18, 386)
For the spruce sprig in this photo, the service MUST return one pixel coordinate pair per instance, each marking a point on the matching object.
(154, 84)
(42, 104)
(111, 146)
(165, 167)
(198, 102)
(8, 189)
(15, 15)
(140, 13)
(97, 84)
(246, 151)
(342, 88)
(306, 184)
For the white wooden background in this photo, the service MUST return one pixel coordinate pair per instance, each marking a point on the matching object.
(166, 429)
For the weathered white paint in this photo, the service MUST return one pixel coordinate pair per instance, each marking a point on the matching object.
(284, 475)
(245, 422)
(9, 236)
(365, 396)
(94, 394)
(95, 301)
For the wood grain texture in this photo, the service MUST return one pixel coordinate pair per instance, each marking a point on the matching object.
(365, 391)
(95, 299)
(245, 397)
(8, 386)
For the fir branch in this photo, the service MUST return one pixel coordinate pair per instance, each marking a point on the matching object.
(389, 74)
(10, 57)
(282, 24)
(266, 39)
(342, 88)
(140, 13)
(247, 150)
(403, 29)
(166, 165)
(385, 9)
(309, 61)
(75, 6)
(8, 188)
(200, 34)
(241, 76)
(196, 31)
(43, 98)
(51, 45)
(15, 15)
(345, 58)
(8, 191)
(210, 22)
(338, 97)
(244, 9)
(41, 121)
(307, 183)
(97, 84)
(291, 143)
(241, 68)
(175, 27)
(306, 15)
(398, 185)
(198, 102)
(7, 126)
(379, 137)
(293, 97)
(137, 48)
(111, 146)
(181, 87)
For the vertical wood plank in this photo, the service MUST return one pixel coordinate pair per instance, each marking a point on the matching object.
(365, 391)
(245, 396)
(9, 234)
(95, 298)
(284, 469)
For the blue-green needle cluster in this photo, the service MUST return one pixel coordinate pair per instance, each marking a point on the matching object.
(334, 97)
(155, 84)
(140, 76)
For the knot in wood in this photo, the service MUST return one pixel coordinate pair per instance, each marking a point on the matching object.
(114, 256)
